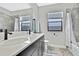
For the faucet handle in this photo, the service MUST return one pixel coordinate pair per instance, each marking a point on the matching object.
(29, 32)
(10, 33)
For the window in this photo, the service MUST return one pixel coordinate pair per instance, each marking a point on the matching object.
(55, 21)
(25, 23)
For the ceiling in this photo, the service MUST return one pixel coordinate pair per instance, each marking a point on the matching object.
(19, 6)
(15, 6)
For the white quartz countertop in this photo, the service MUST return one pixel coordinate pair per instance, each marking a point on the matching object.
(14, 49)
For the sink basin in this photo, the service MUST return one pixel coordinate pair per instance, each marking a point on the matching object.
(14, 41)
(17, 40)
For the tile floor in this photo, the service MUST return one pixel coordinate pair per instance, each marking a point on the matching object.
(51, 51)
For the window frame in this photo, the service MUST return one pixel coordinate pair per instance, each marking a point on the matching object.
(21, 23)
(57, 21)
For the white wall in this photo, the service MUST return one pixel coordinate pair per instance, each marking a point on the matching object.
(23, 12)
(59, 39)
(3, 10)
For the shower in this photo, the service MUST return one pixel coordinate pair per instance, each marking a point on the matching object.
(75, 22)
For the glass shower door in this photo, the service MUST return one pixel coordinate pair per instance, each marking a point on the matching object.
(75, 23)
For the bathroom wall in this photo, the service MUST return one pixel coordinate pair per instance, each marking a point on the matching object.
(6, 20)
(59, 39)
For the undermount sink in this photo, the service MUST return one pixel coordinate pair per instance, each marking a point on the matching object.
(15, 41)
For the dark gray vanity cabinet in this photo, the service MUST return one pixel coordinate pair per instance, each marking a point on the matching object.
(35, 49)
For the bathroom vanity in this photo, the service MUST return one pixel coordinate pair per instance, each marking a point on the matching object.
(32, 45)
(35, 49)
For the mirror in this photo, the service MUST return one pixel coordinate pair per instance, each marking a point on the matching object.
(18, 23)
(22, 23)
(6, 22)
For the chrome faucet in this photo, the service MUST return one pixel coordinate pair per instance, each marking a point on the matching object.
(6, 34)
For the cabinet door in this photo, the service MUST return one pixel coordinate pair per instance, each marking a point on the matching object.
(35, 49)
(27, 52)
(42, 46)
(35, 53)
(32, 49)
